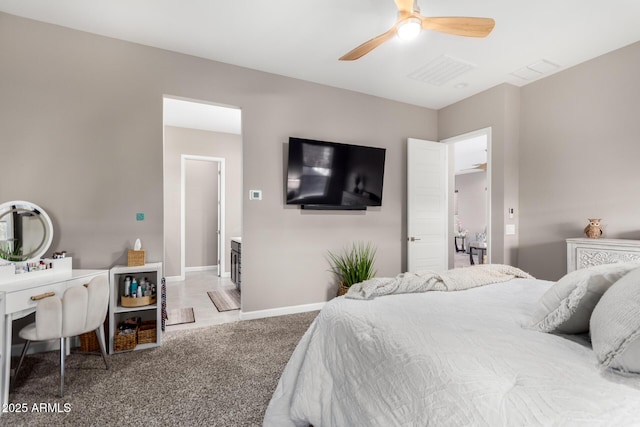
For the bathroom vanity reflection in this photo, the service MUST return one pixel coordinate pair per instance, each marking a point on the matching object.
(26, 231)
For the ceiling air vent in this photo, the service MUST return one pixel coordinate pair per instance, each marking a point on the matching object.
(535, 70)
(441, 70)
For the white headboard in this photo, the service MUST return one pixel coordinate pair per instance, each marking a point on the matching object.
(583, 252)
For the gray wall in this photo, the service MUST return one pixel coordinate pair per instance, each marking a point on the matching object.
(178, 141)
(499, 109)
(81, 120)
(579, 158)
(564, 149)
(472, 202)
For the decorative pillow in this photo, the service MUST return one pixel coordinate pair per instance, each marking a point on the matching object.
(567, 306)
(615, 325)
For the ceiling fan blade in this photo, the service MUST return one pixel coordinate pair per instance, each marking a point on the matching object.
(369, 45)
(477, 166)
(404, 6)
(460, 26)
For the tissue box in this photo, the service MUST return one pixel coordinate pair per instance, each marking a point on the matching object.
(136, 258)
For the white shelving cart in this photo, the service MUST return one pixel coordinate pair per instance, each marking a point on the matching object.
(150, 313)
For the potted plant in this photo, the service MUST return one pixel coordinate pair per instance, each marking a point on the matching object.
(354, 265)
(11, 255)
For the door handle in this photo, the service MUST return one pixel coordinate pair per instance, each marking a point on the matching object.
(413, 239)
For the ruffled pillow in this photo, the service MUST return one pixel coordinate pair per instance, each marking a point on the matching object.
(615, 325)
(567, 306)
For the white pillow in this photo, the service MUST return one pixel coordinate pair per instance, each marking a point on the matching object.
(567, 306)
(615, 325)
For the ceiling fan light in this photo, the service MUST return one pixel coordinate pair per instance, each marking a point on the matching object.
(409, 28)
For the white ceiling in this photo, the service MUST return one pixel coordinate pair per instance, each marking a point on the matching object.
(196, 115)
(305, 38)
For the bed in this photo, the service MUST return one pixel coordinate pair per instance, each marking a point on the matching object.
(463, 358)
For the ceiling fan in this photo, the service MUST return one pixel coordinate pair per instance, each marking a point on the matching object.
(410, 22)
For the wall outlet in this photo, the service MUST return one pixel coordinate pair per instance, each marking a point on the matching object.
(139, 216)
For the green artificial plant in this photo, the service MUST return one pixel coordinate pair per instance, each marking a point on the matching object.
(9, 254)
(355, 264)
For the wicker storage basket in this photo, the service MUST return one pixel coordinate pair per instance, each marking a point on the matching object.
(147, 332)
(136, 258)
(342, 289)
(89, 342)
(138, 302)
(123, 342)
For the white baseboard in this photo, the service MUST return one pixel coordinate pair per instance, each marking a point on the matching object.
(183, 278)
(201, 268)
(280, 311)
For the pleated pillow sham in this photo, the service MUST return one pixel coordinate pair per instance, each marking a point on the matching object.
(567, 306)
(615, 325)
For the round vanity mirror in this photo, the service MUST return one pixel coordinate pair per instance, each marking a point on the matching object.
(25, 231)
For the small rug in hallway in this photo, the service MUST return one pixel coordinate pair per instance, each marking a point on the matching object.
(225, 299)
(178, 316)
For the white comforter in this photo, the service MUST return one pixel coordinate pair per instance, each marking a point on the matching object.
(447, 359)
(457, 279)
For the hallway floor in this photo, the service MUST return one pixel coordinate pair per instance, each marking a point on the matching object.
(192, 292)
(461, 259)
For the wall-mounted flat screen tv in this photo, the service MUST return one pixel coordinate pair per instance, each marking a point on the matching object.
(330, 175)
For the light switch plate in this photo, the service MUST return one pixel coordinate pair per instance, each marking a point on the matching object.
(510, 229)
(255, 194)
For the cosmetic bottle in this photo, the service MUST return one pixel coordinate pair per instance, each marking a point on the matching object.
(134, 287)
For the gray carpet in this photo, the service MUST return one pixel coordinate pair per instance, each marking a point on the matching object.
(225, 299)
(217, 376)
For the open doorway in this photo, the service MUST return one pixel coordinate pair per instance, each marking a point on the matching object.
(202, 214)
(471, 195)
(196, 132)
(202, 206)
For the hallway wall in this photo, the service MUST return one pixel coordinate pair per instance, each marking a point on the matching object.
(472, 202)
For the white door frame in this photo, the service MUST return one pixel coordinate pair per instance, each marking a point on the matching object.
(480, 132)
(221, 210)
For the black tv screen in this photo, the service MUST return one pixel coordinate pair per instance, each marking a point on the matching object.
(330, 175)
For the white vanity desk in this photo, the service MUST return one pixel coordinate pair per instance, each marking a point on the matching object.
(17, 303)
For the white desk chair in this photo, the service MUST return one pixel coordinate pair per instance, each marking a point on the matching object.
(81, 309)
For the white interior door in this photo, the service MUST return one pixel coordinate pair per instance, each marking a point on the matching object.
(427, 206)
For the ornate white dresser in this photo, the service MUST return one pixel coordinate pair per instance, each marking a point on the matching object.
(584, 252)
